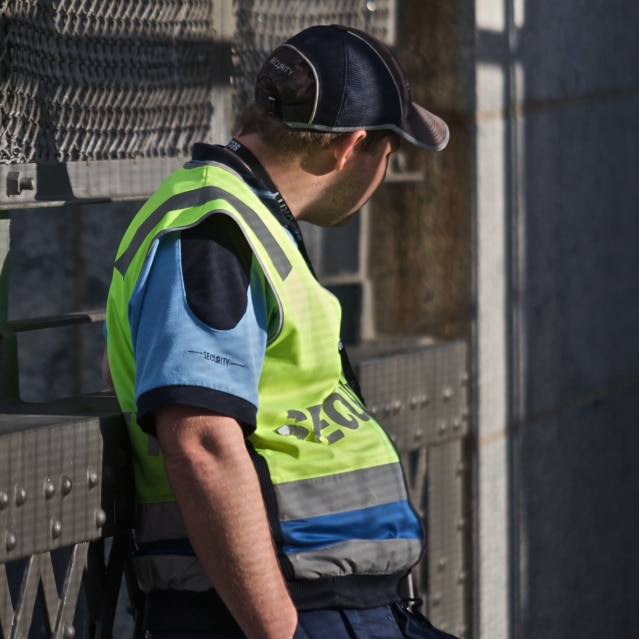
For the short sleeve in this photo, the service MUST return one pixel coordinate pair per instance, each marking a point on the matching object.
(199, 317)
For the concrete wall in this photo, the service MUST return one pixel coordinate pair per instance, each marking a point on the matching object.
(421, 257)
(557, 353)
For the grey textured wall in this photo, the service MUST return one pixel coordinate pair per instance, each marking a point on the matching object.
(557, 349)
(576, 471)
(60, 262)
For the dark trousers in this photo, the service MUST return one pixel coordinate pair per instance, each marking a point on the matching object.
(384, 622)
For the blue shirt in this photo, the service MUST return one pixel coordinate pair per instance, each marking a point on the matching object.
(201, 314)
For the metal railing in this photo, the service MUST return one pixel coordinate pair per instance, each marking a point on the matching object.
(419, 392)
(64, 489)
(65, 483)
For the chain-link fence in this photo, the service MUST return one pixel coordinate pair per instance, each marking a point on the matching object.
(83, 80)
(263, 24)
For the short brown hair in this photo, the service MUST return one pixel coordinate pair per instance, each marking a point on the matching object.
(288, 141)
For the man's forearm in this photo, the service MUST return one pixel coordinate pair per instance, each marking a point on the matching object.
(219, 496)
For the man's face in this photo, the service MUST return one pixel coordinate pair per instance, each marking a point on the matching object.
(355, 184)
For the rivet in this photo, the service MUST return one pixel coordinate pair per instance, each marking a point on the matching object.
(66, 485)
(4, 500)
(69, 631)
(49, 488)
(10, 541)
(447, 393)
(457, 424)
(21, 495)
(461, 524)
(441, 429)
(463, 576)
(92, 477)
(397, 406)
(100, 518)
(436, 599)
(56, 529)
(441, 563)
(424, 400)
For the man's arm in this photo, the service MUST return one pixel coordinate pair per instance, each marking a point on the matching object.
(218, 493)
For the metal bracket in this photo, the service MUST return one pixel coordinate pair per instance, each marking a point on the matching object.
(17, 184)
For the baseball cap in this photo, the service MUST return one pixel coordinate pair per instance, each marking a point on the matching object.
(338, 79)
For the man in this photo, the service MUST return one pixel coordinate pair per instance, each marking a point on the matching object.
(270, 502)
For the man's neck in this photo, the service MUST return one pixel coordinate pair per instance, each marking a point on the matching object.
(298, 180)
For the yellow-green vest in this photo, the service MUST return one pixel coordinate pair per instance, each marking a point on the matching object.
(335, 492)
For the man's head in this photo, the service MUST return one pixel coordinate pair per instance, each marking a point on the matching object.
(331, 104)
(335, 79)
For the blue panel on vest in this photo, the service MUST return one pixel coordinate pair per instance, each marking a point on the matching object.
(396, 520)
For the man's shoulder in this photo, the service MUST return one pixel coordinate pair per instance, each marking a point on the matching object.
(204, 152)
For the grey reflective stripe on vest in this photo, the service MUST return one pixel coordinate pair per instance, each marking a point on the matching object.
(197, 197)
(156, 522)
(368, 556)
(177, 572)
(340, 492)
(297, 500)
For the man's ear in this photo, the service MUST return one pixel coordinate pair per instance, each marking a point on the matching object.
(344, 147)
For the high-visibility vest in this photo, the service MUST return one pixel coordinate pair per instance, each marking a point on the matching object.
(335, 491)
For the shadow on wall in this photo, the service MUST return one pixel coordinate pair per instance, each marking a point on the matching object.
(61, 261)
(557, 280)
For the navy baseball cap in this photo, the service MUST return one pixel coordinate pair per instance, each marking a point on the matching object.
(339, 79)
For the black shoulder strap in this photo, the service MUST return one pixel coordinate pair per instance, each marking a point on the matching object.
(291, 223)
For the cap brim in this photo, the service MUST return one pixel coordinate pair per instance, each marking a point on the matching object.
(424, 129)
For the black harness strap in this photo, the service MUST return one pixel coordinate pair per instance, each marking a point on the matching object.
(289, 221)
